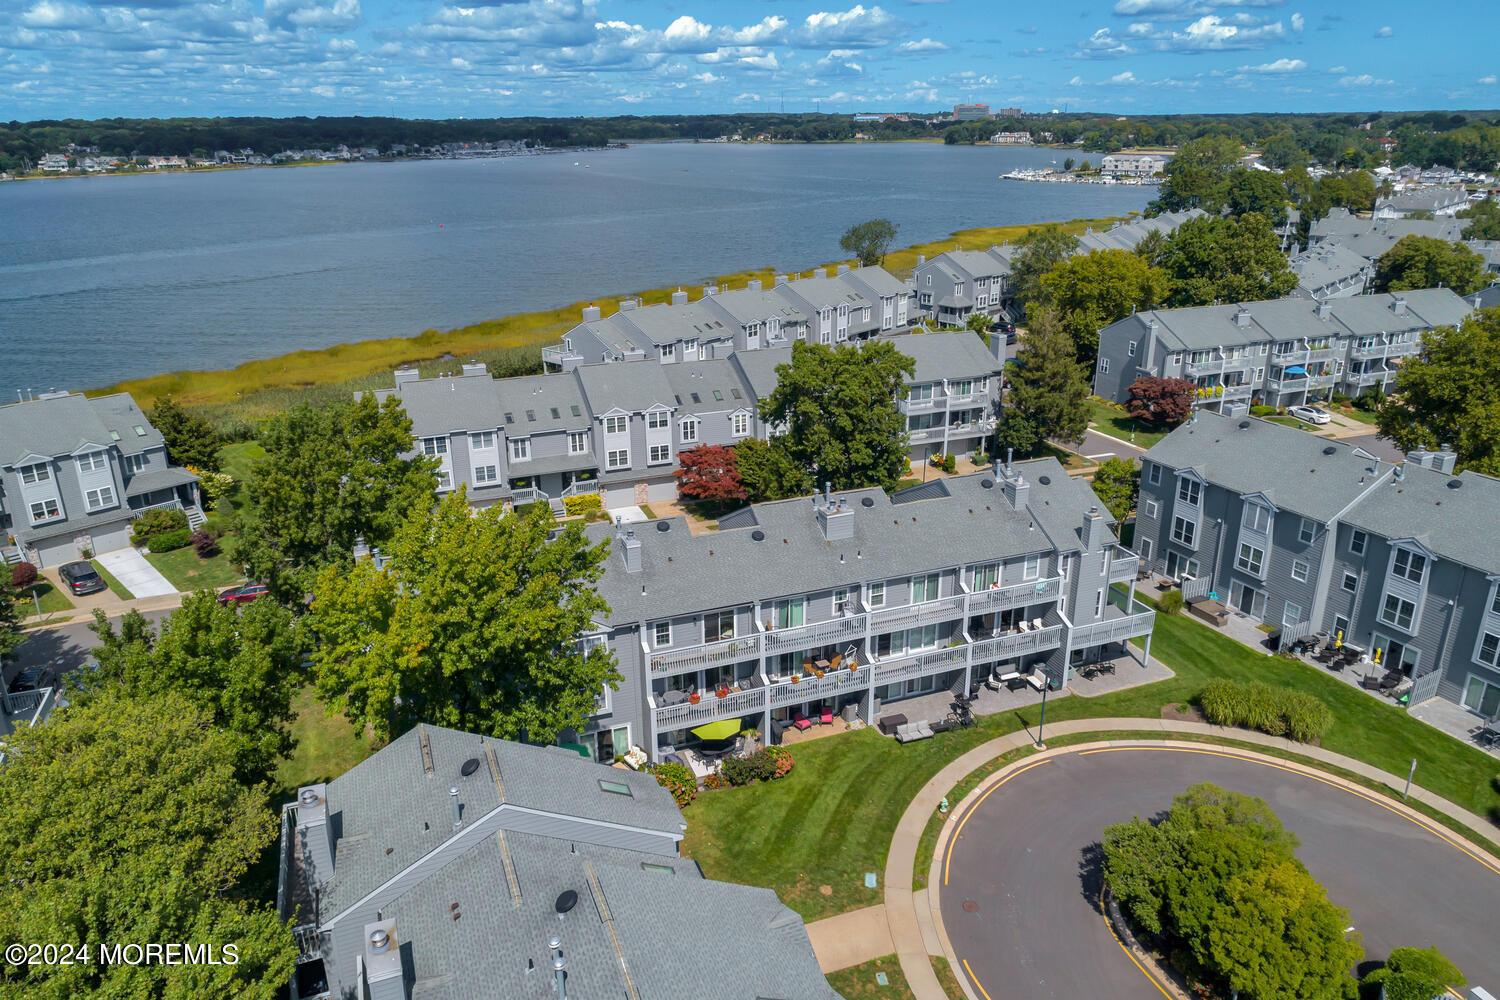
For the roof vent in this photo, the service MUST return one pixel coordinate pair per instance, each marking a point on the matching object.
(1454, 484)
(663, 526)
(987, 484)
(566, 901)
(307, 798)
(1045, 480)
(758, 535)
(867, 502)
(1330, 450)
(380, 940)
(1244, 425)
(469, 766)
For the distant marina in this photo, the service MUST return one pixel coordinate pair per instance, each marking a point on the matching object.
(1052, 176)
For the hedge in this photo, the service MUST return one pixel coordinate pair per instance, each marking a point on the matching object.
(677, 779)
(582, 504)
(1272, 710)
(155, 522)
(166, 541)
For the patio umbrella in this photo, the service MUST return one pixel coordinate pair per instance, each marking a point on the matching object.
(1296, 370)
(721, 730)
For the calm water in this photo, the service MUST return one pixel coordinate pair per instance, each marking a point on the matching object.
(114, 278)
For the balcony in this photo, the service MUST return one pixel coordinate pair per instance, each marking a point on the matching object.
(926, 613)
(710, 708)
(830, 685)
(1327, 353)
(910, 406)
(1017, 643)
(558, 356)
(1123, 569)
(1116, 626)
(830, 633)
(1014, 596)
(1374, 352)
(926, 433)
(708, 654)
(1290, 358)
(901, 668)
(1203, 367)
(1369, 378)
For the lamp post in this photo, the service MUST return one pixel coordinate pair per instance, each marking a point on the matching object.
(1042, 724)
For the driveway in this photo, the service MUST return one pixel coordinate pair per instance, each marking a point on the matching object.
(1020, 900)
(135, 573)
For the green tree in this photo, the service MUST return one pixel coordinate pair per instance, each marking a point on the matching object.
(869, 241)
(1256, 191)
(1234, 259)
(1449, 393)
(474, 623)
(838, 406)
(978, 322)
(1416, 974)
(1048, 389)
(191, 440)
(1092, 290)
(1484, 219)
(1198, 176)
(1068, 163)
(330, 475)
(1038, 252)
(1423, 262)
(241, 664)
(768, 472)
(124, 822)
(1117, 482)
(10, 615)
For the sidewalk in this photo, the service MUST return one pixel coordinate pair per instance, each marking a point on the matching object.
(113, 607)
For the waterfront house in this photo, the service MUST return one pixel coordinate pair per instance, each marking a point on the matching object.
(1279, 352)
(1315, 536)
(454, 865)
(1330, 271)
(1134, 164)
(75, 472)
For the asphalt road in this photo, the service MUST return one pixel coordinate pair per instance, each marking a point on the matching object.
(61, 649)
(1024, 864)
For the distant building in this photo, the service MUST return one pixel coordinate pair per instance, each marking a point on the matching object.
(879, 116)
(971, 112)
(1330, 271)
(1133, 164)
(1440, 202)
(1011, 138)
(1008, 113)
(53, 163)
(1370, 238)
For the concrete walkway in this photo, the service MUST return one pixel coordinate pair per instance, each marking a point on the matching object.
(851, 938)
(135, 574)
(913, 919)
(113, 608)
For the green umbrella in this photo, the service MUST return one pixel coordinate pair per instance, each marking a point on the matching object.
(721, 730)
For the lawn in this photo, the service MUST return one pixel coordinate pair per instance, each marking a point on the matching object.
(52, 599)
(831, 819)
(327, 746)
(1359, 416)
(115, 586)
(236, 459)
(859, 982)
(187, 572)
(1119, 424)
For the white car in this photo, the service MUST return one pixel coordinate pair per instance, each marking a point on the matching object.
(1311, 414)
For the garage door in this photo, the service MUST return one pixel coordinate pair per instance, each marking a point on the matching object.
(114, 537)
(662, 491)
(619, 496)
(55, 551)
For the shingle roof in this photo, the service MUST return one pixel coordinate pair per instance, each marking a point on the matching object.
(1454, 521)
(1326, 264)
(759, 368)
(717, 384)
(667, 324)
(1372, 237)
(119, 413)
(626, 385)
(61, 424)
(539, 403)
(456, 403)
(1485, 298)
(960, 355)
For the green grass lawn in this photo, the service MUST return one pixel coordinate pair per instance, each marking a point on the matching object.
(831, 819)
(327, 746)
(187, 572)
(52, 599)
(859, 982)
(1357, 415)
(1117, 423)
(115, 586)
(236, 459)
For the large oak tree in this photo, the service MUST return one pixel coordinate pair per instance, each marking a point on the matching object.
(1092, 290)
(1449, 393)
(1232, 259)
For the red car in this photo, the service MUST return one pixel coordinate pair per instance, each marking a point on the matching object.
(243, 594)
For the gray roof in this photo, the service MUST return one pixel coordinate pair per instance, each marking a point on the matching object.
(1326, 264)
(953, 355)
(667, 324)
(1485, 298)
(389, 801)
(1127, 235)
(60, 425)
(120, 414)
(1315, 476)
(627, 385)
(1455, 522)
(1372, 237)
(1425, 200)
(759, 368)
(683, 573)
(975, 263)
(749, 305)
(149, 482)
(716, 384)
(450, 403)
(538, 403)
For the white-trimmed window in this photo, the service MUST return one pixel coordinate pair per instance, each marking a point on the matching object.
(740, 424)
(656, 419)
(104, 496)
(1398, 612)
(1495, 602)
(690, 349)
(445, 480)
(485, 474)
(841, 600)
(520, 449)
(1299, 570)
(435, 446)
(877, 595)
(1184, 531)
(1031, 568)
(1154, 475)
(1409, 565)
(578, 442)
(689, 431)
(661, 453)
(1357, 542)
(92, 462)
(924, 588)
(1250, 559)
(616, 425)
(38, 473)
(480, 440)
(617, 459)
(1306, 530)
(1489, 648)
(668, 352)
(984, 577)
(661, 634)
(1099, 604)
(1132, 349)
(45, 510)
(1189, 491)
(1103, 366)
(1177, 358)
(1291, 614)
(1256, 518)
(134, 463)
(1351, 582)
(1151, 508)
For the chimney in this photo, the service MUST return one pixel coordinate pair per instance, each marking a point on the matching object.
(458, 807)
(475, 368)
(1325, 310)
(630, 550)
(1398, 305)
(780, 280)
(385, 978)
(843, 269)
(835, 517)
(679, 298)
(753, 285)
(626, 305)
(405, 375)
(1016, 490)
(1420, 457)
(1093, 530)
(315, 833)
(921, 259)
(710, 290)
(1242, 318)
(820, 272)
(591, 314)
(1444, 460)
(361, 549)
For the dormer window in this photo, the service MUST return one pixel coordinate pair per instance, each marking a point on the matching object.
(1409, 565)
(1188, 491)
(38, 473)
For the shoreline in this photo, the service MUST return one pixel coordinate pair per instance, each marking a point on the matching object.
(257, 389)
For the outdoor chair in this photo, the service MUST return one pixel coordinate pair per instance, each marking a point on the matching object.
(801, 722)
(1370, 682)
(1023, 626)
(837, 659)
(1036, 624)
(825, 715)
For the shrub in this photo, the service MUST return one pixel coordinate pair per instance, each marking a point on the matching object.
(765, 764)
(204, 544)
(166, 541)
(525, 509)
(950, 464)
(214, 486)
(980, 458)
(714, 781)
(1340, 399)
(1370, 400)
(781, 760)
(679, 780)
(156, 522)
(22, 574)
(1170, 603)
(1262, 411)
(1272, 710)
(582, 504)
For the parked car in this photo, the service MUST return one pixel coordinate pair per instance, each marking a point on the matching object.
(1311, 414)
(81, 578)
(243, 594)
(28, 680)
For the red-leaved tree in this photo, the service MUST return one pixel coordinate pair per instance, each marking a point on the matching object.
(708, 472)
(1164, 401)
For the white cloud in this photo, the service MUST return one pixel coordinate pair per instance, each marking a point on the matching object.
(1077, 81)
(1125, 77)
(923, 45)
(1298, 23)
(1384, 32)
(1279, 66)
(1102, 45)
(857, 27)
(323, 90)
(1487, 80)
(1140, 29)
(1212, 34)
(1338, 69)
(340, 15)
(707, 77)
(1363, 80)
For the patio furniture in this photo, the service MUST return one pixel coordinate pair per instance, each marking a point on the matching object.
(838, 658)
(913, 731)
(825, 715)
(1163, 584)
(821, 664)
(1209, 610)
(1370, 682)
(890, 723)
(1022, 626)
(1037, 680)
(1036, 624)
(1106, 667)
(1390, 680)
(801, 722)
(674, 698)
(1488, 737)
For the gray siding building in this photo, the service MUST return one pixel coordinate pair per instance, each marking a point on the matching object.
(75, 472)
(1315, 536)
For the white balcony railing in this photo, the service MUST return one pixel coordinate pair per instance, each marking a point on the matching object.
(899, 668)
(1203, 367)
(527, 494)
(830, 633)
(910, 406)
(926, 613)
(833, 684)
(708, 654)
(1014, 595)
(1017, 643)
(710, 708)
(1116, 629)
(1123, 568)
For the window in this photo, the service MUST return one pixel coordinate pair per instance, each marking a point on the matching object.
(1398, 612)
(718, 625)
(615, 788)
(840, 600)
(963, 388)
(1256, 518)
(92, 462)
(1099, 604)
(1495, 602)
(1031, 567)
(104, 496)
(647, 866)
(924, 588)
(1291, 614)
(690, 349)
(1184, 531)
(661, 453)
(1155, 475)
(45, 510)
(984, 577)
(919, 392)
(1489, 648)
(445, 481)
(435, 446)
(929, 277)
(877, 595)
(1306, 530)
(619, 459)
(924, 637)
(1189, 490)
(656, 419)
(520, 449)
(1177, 358)
(1250, 559)
(134, 463)
(689, 430)
(1299, 570)
(666, 352)
(1409, 565)
(1132, 349)
(485, 474)
(615, 425)
(578, 442)
(481, 440)
(1351, 582)
(661, 634)
(1151, 508)
(38, 473)
(740, 424)
(139, 430)
(1103, 366)
(1357, 543)
(789, 613)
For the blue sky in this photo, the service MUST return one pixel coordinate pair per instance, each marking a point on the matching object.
(480, 58)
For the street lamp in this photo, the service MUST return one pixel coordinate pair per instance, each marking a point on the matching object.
(1042, 725)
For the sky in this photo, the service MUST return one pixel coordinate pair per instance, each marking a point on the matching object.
(497, 58)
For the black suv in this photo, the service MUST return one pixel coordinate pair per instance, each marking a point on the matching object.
(80, 578)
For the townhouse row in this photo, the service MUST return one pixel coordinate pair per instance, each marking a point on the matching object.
(616, 428)
(1312, 536)
(856, 601)
(76, 472)
(1278, 352)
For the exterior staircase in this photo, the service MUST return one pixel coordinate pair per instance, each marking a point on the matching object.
(195, 516)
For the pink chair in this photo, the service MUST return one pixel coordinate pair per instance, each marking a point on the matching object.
(801, 722)
(825, 715)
